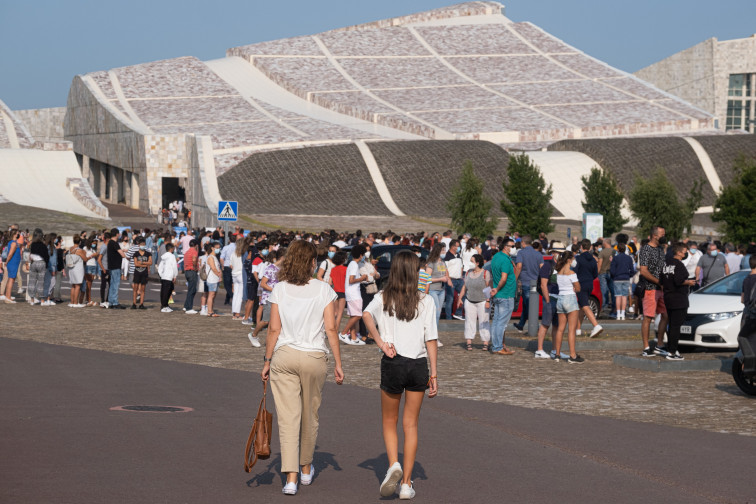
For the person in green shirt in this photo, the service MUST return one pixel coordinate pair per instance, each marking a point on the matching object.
(503, 293)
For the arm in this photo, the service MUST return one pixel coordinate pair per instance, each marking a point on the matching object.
(545, 290)
(321, 274)
(648, 276)
(386, 347)
(518, 269)
(353, 279)
(265, 286)
(501, 284)
(727, 269)
(329, 317)
(576, 286)
(432, 348)
(274, 329)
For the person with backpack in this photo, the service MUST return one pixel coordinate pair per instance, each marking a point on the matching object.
(75, 260)
(548, 288)
(142, 259)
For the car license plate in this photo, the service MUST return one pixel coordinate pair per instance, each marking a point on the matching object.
(685, 329)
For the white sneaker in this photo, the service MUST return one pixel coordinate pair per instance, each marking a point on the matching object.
(345, 338)
(439, 344)
(35, 301)
(306, 479)
(356, 342)
(105, 305)
(290, 489)
(407, 492)
(255, 343)
(203, 311)
(78, 306)
(2, 298)
(596, 331)
(248, 322)
(393, 475)
(191, 312)
(166, 310)
(578, 332)
(630, 309)
(9, 301)
(540, 354)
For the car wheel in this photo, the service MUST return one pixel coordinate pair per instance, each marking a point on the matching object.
(746, 384)
(594, 304)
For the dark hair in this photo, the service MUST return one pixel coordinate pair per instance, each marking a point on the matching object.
(678, 246)
(622, 238)
(752, 261)
(281, 252)
(297, 264)
(586, 244)
(358, 251)
(435, 254)
(401, 296)
(564, 259)
(339, 258)
(169, 247)
(479, 260)
(621, 247)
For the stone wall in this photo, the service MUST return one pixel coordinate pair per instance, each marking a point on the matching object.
(45, 125)
(731, 57)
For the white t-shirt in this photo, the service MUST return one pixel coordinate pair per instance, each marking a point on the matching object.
(352, 292)
(408, 338)
(212, 278)
(301, 310)
(467, 262)
(565, 284)
(327, 267)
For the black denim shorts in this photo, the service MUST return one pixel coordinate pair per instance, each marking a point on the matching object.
(402, 373)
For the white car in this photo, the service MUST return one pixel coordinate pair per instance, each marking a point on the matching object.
(714, 314)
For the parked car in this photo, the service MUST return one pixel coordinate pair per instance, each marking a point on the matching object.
(714, 314)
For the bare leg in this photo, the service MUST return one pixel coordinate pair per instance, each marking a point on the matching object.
(134, 293)
(390, 414)
(589, 314)
(351, 325)
(248, 309)
(541, 336)
(572, 326)
(210, 299)
(559, 333)
(341, 304)
(412, 403)
(645, 329)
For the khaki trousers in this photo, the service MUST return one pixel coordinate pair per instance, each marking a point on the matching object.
(297, 380)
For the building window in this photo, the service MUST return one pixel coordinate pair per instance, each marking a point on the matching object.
(740, 102)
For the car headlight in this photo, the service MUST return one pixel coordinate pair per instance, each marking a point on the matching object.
(723, 315)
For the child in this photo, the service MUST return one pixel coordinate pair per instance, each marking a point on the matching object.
(338, 277)
(402, 321)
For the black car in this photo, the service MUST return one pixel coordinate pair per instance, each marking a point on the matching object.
(385, 254)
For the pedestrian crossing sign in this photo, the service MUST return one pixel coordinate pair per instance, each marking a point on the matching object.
(228, 210)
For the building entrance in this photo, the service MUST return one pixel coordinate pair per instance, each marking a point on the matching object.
(172, 191)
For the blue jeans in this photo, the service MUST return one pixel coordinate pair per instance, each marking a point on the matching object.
(457, 284)
(191, 290)
(115, 283)
(503, 308)
(525, 306)
(438, 299)
(607, 290)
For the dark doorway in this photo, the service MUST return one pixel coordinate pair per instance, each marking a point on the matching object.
(172, 191)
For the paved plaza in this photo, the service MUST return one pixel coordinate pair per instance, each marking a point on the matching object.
(535, 431)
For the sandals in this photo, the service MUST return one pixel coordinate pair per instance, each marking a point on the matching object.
(485, 347)
(469, 347)
(213, 315)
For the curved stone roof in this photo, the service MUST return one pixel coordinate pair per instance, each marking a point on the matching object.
(723, 150)
(13, 132)
(627, 158)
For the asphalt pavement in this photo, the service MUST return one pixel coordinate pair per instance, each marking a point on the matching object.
(63, 443)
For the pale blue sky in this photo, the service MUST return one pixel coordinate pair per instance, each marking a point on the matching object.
(44, 43)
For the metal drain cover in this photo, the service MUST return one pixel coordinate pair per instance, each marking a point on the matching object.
(146, 408)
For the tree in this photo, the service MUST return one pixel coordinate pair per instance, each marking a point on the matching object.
(735, 206)
(470, 209)
(603, 195)
(527, 199)
(654, 202)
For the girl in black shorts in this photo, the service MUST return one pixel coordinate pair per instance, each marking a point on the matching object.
(402, 321)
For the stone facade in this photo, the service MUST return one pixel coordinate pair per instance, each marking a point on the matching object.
(45, 125)
(700, 74)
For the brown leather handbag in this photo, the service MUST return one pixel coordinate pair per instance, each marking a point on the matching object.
(258, 443)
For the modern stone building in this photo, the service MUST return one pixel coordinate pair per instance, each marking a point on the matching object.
(716, 76)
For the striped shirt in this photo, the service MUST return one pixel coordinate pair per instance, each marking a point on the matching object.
(130, 256)
(423, 281)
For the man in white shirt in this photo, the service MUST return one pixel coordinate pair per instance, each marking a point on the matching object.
(168, 271)
(353, 296)
(225, 260)
(446, 239)
(732, 257)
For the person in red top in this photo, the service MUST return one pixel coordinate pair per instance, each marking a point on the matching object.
(191, 259)
(338, 277)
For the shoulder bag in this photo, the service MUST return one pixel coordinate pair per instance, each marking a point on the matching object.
(258, 443)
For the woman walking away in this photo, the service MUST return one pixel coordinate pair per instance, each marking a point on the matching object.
(567, 307)
(75, 263)
(402, 321)
(477, 305)
(301, 317)
(39, 257)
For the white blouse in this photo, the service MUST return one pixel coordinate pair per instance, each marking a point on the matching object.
(408, 338)
(301, 310)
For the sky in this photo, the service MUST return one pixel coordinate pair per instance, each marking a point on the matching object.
(45, 43)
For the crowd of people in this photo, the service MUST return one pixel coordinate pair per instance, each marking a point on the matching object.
(298, 286)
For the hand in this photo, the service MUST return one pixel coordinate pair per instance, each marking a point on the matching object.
(338, 373)
(389, 350)
(433, 387)
(494, 291)
(265, 375)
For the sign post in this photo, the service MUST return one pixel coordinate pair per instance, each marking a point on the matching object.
(228, 211)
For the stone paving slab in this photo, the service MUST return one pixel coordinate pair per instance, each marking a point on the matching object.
(717, 363)
(707, 400)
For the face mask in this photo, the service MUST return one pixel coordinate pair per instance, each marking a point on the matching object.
(574, 263)
(693, 250)
(419, 255)
(331, 254)
(663, 240)
(714, 253)
(600, 249)
(217, 251)
(142, 247)
(422, 240)
(367, 255)
(264, 253)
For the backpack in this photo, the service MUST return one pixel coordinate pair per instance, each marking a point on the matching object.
(72, 260)
(5, 252)
(203, 273)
